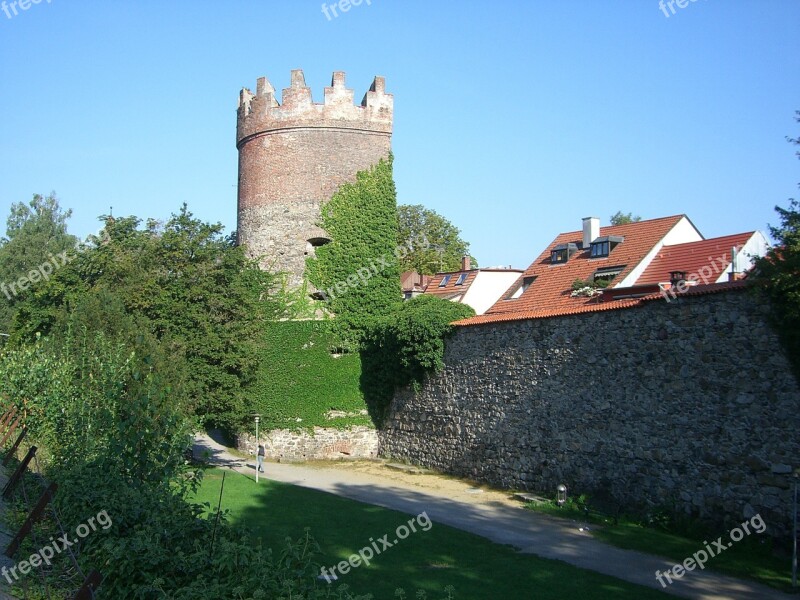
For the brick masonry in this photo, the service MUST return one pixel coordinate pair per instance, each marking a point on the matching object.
(689, 405)
(324, 443)
(293, 157)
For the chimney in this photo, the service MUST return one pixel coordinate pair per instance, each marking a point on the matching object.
(732, 276)
(677, 278)
(591, 230)
(465, 263)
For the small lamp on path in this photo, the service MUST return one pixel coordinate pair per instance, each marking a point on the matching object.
(561, 494)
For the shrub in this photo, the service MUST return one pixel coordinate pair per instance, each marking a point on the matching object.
(401, 348)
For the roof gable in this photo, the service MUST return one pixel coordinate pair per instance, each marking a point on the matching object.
(706, 258)
(551, 290)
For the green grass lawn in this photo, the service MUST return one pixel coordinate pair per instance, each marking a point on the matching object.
(751, 558)
(426, 560)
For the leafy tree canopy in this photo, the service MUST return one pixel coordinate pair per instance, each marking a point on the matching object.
(779, 273)
(435, 243)
(184, 283)
(36, 234)
(620, 218)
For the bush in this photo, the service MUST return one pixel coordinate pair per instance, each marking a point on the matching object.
(403, 347)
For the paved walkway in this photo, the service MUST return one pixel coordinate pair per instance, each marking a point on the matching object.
(502, 523)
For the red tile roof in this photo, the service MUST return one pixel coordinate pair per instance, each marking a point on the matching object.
(597, 306)
(712, 255)
(411, 281)
(550, 292)
(448, 290)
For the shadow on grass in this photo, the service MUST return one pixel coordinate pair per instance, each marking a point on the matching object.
(425, 560)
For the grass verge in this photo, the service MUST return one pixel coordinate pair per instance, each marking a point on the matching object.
(752, 558)
(427, 560)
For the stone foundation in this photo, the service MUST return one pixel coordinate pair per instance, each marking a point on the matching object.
(323, 444)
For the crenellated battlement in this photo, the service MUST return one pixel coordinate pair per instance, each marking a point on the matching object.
(262, 113)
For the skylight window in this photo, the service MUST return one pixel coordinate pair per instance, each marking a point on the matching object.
(445, 280)
(461, 278)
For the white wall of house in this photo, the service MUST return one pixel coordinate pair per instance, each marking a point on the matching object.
(681, 233)
(488, 287)
(755, 247)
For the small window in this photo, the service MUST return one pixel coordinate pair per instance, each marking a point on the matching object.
(563, 252)
(604, 245)
(521, 288)
(603, 277)
(599, 249)
(461, 279)
(445, 280)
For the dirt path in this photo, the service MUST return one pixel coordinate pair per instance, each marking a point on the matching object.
(490, 514)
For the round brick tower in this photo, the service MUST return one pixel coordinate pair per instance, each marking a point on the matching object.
(294, 156)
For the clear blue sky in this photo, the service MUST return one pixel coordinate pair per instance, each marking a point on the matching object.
(512, 119)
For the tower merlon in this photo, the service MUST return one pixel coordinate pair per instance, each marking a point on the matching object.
(376, 98)
(338, 92)
(262, 112)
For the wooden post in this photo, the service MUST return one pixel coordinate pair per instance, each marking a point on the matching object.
(90, 585)
(35, 515)
(15, 446)
(7, 416)
(10, 431)
(12, 483)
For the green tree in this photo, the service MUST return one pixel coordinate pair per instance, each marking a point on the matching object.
(358, 272)
(779, 275)
(184, 283)
(36, 234)
(620, 218)
(435, 243)
(112, 438)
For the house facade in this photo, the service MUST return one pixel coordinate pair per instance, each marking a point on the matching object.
(478, 288)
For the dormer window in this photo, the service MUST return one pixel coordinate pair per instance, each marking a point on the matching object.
(461, 278)
(520, 288)
(603, 246)
(445, 280)
(562, 253)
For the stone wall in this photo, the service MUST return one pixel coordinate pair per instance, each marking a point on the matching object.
(323, 444)
(689, 404)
